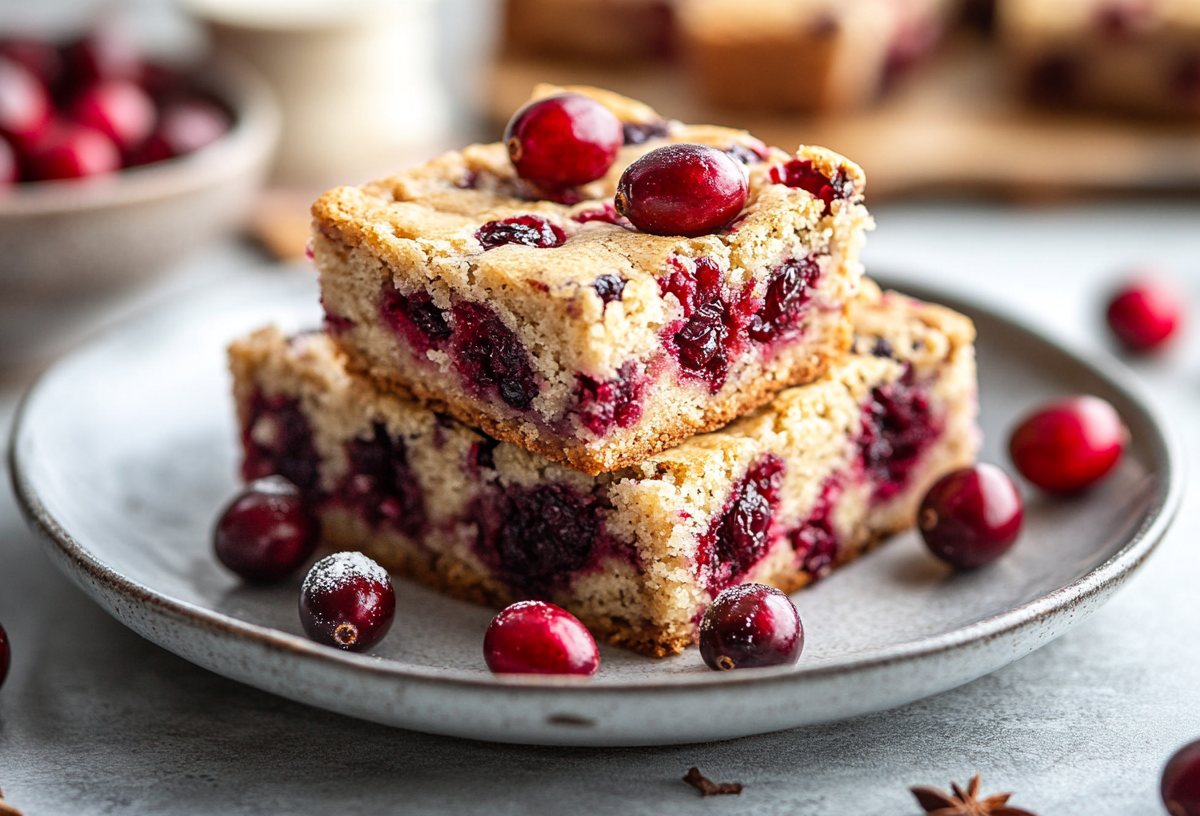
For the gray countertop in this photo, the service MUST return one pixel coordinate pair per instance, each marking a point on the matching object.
(95, 720)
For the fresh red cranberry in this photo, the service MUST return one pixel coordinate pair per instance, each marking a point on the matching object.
(1069, 444)
(739, 537)
(563, 140)
(526, 230)
(266, 532)
(5, 655)
(488, 353)
(25, 107)
(970, 517)
(184, 127)
(898, 426)
(790, 288)
(535, 637)
(380, 486)
(67, 150)
(37, 57)
(117, 108)
(104, 53)
(1144, 314)
(1180, 785)
(802, 174)
(9, 170)
(347, 601)
(615, 402)
(682, 189)
(750, 626)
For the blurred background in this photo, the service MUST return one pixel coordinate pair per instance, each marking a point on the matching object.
(137, 137)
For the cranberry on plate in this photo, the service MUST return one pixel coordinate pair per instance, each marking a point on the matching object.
(1069, 444)
(563, 140)
(266, 532)
(749, 626)
(1180, 785)
(535, 637)
(682, 189)
(347, 601)
(5, 655)
(972, 516)
(1145, 313)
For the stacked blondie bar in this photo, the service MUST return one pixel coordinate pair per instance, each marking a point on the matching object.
(518, 394)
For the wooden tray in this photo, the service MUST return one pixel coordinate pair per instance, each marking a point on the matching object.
(952, 125)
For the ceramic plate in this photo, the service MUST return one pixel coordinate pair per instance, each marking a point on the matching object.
(125, 451)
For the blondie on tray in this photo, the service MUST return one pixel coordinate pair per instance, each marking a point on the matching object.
(781, 496)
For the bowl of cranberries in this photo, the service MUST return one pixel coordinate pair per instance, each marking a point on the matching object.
(113, 167)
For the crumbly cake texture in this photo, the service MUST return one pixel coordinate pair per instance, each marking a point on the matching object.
(605, 345)
(611, 32)
(805, 54)
(781, 496)
(1133, 56)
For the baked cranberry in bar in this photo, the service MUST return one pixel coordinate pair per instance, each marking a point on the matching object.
(557, 326)
(1140, 56)
(805, 54)
(781, 496)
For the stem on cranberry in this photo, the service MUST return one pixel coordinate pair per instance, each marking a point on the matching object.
(751, 626)
(347, 601)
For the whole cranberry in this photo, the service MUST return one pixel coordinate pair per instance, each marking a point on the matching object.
(1069, 444)
(535, 637)
(106, 52)
(25, 106)
(119, 109)
(347, 601)
(970, 517)
(38, 57)
(184, 127)
(749, 626)
(682, 189)
(563, 140)
(9, 170)
(1180, 785)
(68, 150)
(266, 532)
(1145, 313)
(5, 655)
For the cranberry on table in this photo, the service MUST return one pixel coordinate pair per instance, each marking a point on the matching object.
(1180, 785)
(119, 109)
(25, 106)
(750, 626)
(347, 601)
(1144, 314)
(266, 532)
(5, 655)
(534, 637)
(972, 516)
(68, 151)
(563, 140)
(1069, 444)
(682, 189)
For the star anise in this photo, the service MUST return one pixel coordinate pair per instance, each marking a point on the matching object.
(709, 788)
(6, 809)
(965, 803)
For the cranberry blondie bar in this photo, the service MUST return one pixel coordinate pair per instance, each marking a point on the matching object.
(557, 326)
(781, 496)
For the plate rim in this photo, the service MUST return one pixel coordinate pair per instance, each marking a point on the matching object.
(67, 552)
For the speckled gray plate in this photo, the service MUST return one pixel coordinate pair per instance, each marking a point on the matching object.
(124, 452)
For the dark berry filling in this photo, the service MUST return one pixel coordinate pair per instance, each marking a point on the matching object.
(615, 402)
(480, 456)
(336, 324)
(379, 485)
(791, 286)
(609, 287)
(815, 541)
(277, 440)
(415, 317)
(741, 535)
(1185, 78)
(1054, 79)
(898, 425)
(535, 537)
(526, 230)
(488, 354)
(746, 155)
(802, 174)
(636, 134)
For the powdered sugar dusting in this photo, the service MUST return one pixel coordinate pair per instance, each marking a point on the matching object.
(338, 570)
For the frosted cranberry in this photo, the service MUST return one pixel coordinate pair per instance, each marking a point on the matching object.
(1180, 786)
(750, 626)
(534, 637)
(25, 107)
(640, 133)
(9, 171)
(563, 140)
(739, 538)
(790, 288)
(266, 532)
(184, 127)
(105, 53)
(37, 57)
(898, 426)
(67, 151)
(347, 601)
(487, 353)
(119, 109)
(1145, 314)
(526, 230)
(802, 174)
(1069, 444)
(970, 517)
(5, 655)
(682, 189)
